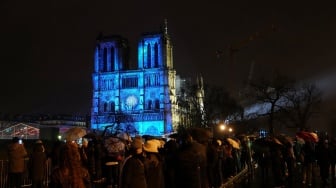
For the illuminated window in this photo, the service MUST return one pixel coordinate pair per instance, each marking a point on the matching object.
(149, 105)
(156, 55)
(157, 104)
(105, 106)
(147, 80)
(105, 60)
(112, 58)
(112, 109)
(129, 82)
(149, 56)
(156, 80)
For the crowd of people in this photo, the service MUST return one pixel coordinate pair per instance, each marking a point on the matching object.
(300, 161)
(182, 161)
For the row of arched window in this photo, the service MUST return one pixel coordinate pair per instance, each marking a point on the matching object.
(152, 80)
(110, 106)
(107, 64)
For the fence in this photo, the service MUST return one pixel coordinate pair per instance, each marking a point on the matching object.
(26, 182)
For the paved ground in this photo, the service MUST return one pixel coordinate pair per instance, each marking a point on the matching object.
(255, 180)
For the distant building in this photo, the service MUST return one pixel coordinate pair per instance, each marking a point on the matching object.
(141, 100)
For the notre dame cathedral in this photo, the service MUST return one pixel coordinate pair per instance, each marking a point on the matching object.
(144, 99)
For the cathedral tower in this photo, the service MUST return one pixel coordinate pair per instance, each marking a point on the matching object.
(142, 100)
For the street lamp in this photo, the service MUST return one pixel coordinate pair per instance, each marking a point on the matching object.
(222, 127)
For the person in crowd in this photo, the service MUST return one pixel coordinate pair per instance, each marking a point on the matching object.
(37, 164)
(323, 157)
(332, 149)
(99, 154)
(132, 168)
(169, 153)
(228, 165)
(214, 165)
(191, 161)
(70, 173)
(83, 151)
(246, 155)
(290, 160)
(278, 166)
(16, 157)
(262, 155)
(55, 153)
(153, 164)
(308, 157)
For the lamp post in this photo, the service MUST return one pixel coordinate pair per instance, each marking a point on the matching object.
(225, 129)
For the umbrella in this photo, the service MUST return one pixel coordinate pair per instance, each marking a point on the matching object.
(315, 137)
(275, 140)
(201, 135)
(74, 133)
(284, 139)
(307, 136)
(300, 140)
(233, 143)
(114, 145)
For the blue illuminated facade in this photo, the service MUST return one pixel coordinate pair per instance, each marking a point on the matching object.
(142, 99)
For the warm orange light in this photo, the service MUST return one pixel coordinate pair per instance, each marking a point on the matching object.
(222, 127)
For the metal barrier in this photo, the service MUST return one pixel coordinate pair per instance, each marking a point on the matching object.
(26, 182)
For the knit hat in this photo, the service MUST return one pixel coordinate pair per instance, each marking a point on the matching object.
(151, 146)
(137, 142)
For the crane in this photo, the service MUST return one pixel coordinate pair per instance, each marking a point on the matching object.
(233, 48)
(236, 47)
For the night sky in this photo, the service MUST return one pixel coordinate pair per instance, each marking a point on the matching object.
(46, 47)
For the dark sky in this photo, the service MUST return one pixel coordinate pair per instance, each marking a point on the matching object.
(46, 47)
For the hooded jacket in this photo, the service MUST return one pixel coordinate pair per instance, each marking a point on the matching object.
(16, 156)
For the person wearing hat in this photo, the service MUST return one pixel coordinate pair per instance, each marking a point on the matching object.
(153, 164)
(133, 169)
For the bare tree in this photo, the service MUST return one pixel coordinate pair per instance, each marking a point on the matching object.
(271, 92)
(302, 103)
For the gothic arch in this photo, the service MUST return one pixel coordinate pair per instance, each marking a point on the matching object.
(157, 104)
(105, 107)
(112, 55)
(149, 56)
(156, 55)
(112, 107)
(104, 60)
(149, 105)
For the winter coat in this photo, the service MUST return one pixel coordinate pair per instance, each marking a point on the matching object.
(191, 166)
(16, 156)
(154, 170)
(37, 164)
(133, 173)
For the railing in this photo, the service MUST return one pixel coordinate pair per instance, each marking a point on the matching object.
(248, 170)
(26, 182)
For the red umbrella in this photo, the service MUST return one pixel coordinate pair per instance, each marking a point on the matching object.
(307, 136)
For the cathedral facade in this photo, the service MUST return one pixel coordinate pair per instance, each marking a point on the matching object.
(141, 100)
